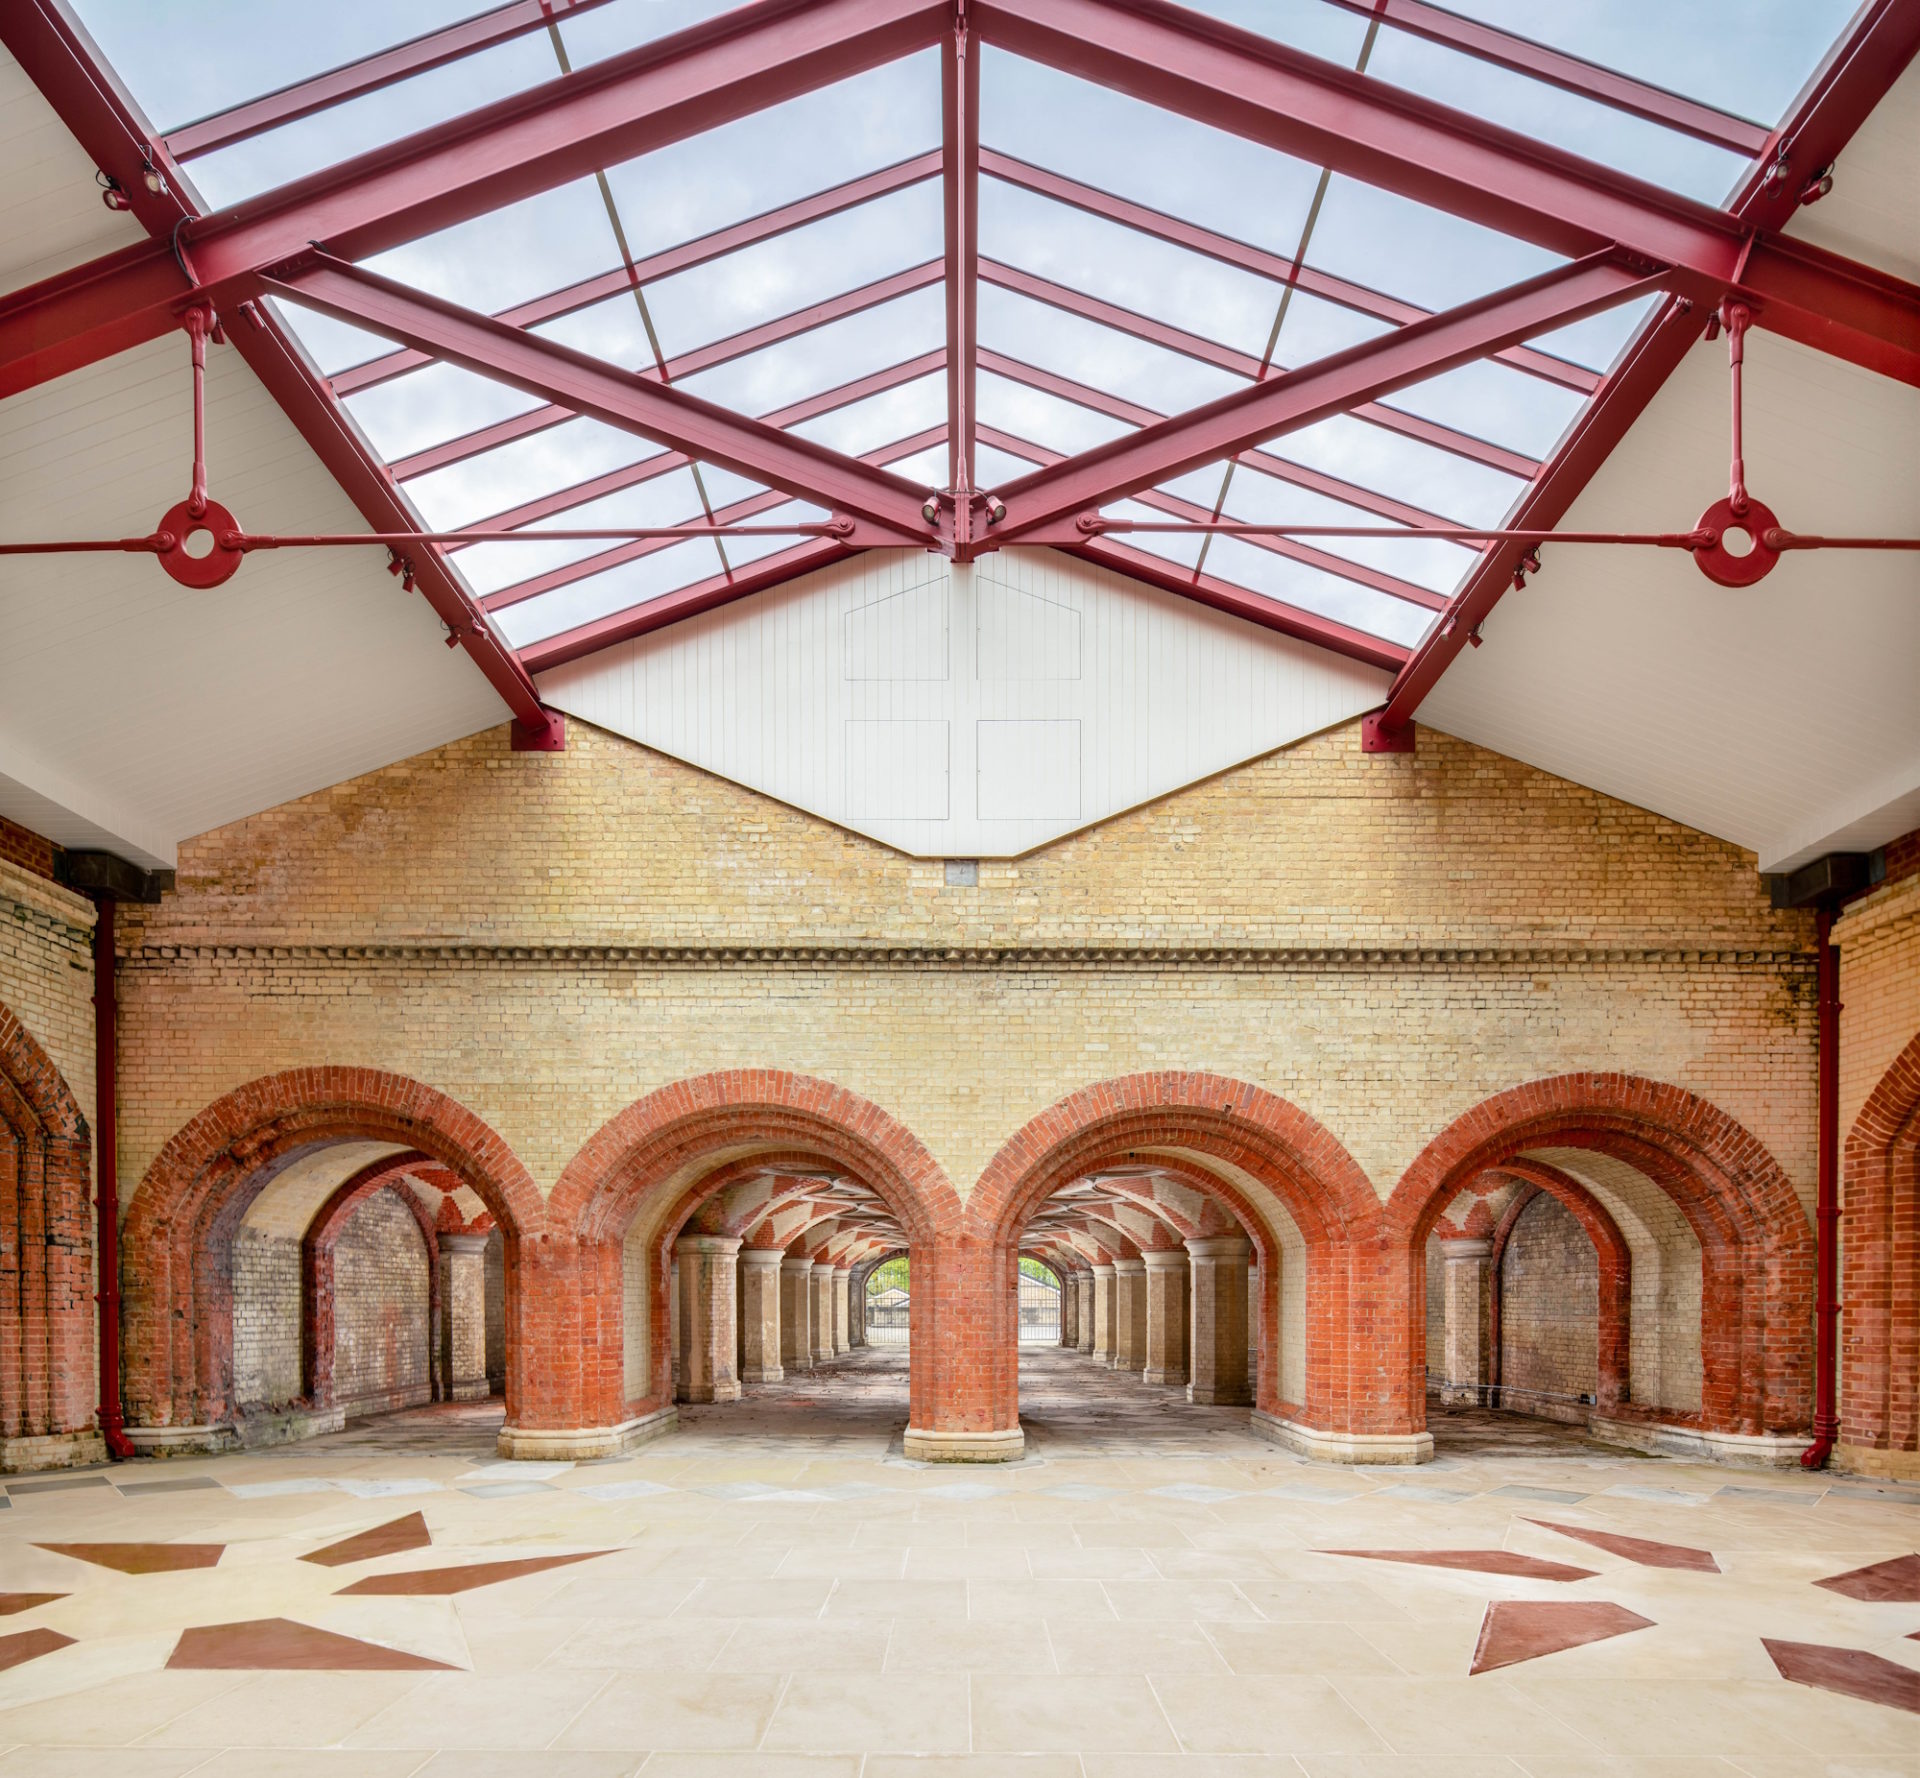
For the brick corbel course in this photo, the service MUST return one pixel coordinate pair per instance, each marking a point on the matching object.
(177, 1268)
(47, 1377)
(655, 1144)
(1756, 1317)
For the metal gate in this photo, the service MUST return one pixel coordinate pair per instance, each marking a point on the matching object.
(1039, 1307)
(889, 1303)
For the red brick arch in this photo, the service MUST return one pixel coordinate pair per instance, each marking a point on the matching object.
(669, 1143)
(46, 1286)
(1880, 1251)
(1241, 1126)
(1756, 1245)
(177, 1262)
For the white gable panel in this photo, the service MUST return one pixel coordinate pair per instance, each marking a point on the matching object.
(964, 711)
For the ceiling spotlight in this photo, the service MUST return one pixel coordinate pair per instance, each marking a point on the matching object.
(151, 176)
(996, 509)
(930, 510)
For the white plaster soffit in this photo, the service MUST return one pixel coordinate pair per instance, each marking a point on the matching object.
(964, 711)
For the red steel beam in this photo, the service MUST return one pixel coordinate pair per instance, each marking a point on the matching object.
(1606, 86)
(1372, 131)
(1274, 266)
(302, 98)
(1331, 385)
(1854, 78)
(656, 266)
(1243, 364)
(587, 385)
(960, 192)
(1339, 567)
(63, 63)
(662, 92)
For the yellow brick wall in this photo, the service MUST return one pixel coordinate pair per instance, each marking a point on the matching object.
(1383, 939)
(1879, 940)
(46, 972)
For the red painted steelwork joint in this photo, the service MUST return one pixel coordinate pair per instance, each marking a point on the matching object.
(1826, 1213)
(106, 1022)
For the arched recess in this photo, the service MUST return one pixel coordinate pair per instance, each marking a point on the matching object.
(1880, 1283)
(1756, 1245)
(47, 1376)
(1271, 1166)
(177, 1250)
(638, 1180)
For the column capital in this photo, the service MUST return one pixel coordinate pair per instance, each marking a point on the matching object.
(798, 1268)
(1466, 1247)
(1130, 1265)
(1101, 1270)
(1229, 1247)
(726, 1244)
(462, 1243)
(1164, 1259)
(767, 1259)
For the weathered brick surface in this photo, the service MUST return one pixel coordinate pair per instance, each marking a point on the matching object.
(382, 1356)
(1879, 940)
(1549, 1314)
(27, 850)
(1301, 975)
(266, 1319)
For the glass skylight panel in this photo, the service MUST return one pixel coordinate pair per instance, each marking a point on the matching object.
(925, 468)
(1094, 356)
(385, 115)
(882, 419)
(1747, 57)
(774, 157)
(429, 406)
(1260, 570)
(1315, 328)
(602, 31)
(1486, 400)
(1599, 340)
(1423, 475)
(1415, 252)
(828, 357)
(794, 271)
(1090, 255)
(670, 499)
(992, 467)
(1256, 498)
(1134, 150)
(637, 582)
(545, 462)
(1328, 32)
(1042, 419)
(333, 345)
(1552, 115)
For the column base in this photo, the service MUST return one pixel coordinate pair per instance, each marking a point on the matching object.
(52, 1450)
(576, 1444)
(1399, 1448)
(711, 1392)
(1749, 1450)
(182, 1441)
(470, 1389)
(1890, 1466)
(965, 1447)
(763, 1374)
(256, 1427)
(1171, 1379)
(1207, 1395)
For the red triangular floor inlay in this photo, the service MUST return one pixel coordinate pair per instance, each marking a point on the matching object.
(1644, 1550)
(389, 1539)
(1852, 1672)
(279, 1645)
(30, 1645)
(1894, 1582)
(15, 1602)
(1480, 1561)
(141, 1558)
(1516, 1630)
(463, 1580)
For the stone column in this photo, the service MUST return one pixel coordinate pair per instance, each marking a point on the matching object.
(1217, 1334)
(676, 1353)
(760, 1315)
(796, 1313)
(821, 1283)
(463, 1316)
(842, 1310)
(1102, 1347)
(1166, 1353)
(707, 1337)
(1069, 1309)
(1469, 1321)
(1130, 1315)
(1083, 1289)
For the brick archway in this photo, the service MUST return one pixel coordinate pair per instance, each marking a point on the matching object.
(177, 1247)
(1880, 1288)
(661, 1145)
(1189, 1119)
(1614, 1262)
(47, 1376)
(1756, 1245)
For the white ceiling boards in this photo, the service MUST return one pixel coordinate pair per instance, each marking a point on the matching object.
(964, 711)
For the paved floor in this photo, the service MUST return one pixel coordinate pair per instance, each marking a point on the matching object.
(775, 1591)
